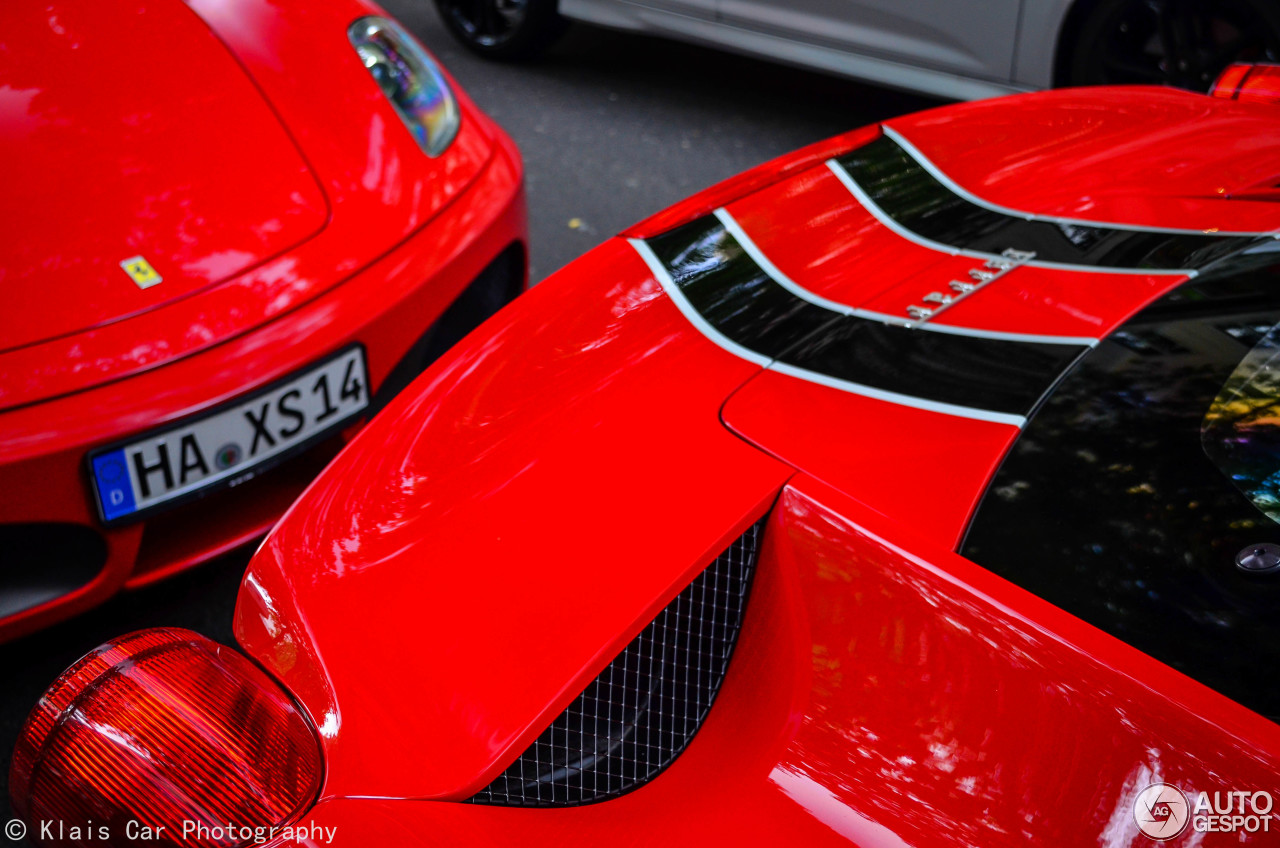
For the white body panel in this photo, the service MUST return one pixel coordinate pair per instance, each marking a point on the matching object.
(947, 48)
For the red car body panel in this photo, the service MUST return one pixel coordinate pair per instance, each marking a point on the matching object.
(535, 438)
(481, 551)
(406, 235)
(219, 165)
(881, 696)
(816, 233)
(958, 458)
(379, 184)
(1170, 158)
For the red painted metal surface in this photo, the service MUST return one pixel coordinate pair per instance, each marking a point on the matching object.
(505, 528)
(1156, 157)
(406, 235)
(475, 556)
(754, 180)
(1261, 86)
(1228, 82)
(379, 185)
(817, 234)
(885, 692)
(488, 544)
(203, 186)
(871, 448)
(1251, 83)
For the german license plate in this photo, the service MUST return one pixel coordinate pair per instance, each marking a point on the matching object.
(226, 446)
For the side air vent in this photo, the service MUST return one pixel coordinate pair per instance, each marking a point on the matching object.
(640, 713)
(46, 561)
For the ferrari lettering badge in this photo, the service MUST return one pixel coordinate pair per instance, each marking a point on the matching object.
(990, 271)
(141, 272)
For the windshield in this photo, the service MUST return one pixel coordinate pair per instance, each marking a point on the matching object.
(1152, 469)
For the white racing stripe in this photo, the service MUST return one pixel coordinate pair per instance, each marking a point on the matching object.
(956, 188)
(757, 255)
(682, 303)
(902, 400)
(686, 308)
(883, 217)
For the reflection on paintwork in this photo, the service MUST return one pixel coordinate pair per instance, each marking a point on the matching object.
(934, 710)
(906, 191)
(203, 210)
(1146, 548)
(1241, 430)
(883, 699)
(583, 373)
(978, 377)
(160, 173)
(827, 807)
(892, 697)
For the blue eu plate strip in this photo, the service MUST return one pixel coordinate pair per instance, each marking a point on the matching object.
(115, 492)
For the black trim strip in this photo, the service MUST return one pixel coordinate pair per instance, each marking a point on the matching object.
(913, 198)
(739, 300)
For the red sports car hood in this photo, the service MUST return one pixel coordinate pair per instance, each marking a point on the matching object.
(488, 544)
(134, 142)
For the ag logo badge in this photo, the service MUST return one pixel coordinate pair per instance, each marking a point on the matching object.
(141, 272)
(1161, 811)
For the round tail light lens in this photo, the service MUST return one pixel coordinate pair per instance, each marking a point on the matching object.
(163, 728)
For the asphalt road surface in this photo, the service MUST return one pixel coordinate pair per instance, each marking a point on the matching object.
(613, 127)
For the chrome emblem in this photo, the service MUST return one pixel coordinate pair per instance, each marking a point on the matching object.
(141, 272)
(988, 272)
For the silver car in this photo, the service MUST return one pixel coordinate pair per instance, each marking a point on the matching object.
(950, 48)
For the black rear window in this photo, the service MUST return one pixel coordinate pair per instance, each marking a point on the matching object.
(1152, 468)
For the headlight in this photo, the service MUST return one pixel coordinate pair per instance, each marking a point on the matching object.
(410, 80)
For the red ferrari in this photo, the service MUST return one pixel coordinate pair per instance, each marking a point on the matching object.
(921, 488)
(233, 230)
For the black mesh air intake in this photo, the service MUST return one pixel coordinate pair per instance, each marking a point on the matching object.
(641, 712)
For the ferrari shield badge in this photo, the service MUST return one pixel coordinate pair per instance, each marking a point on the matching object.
(141, 272)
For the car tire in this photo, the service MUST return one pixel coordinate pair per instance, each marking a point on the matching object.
(503, 29)
(1183, 43)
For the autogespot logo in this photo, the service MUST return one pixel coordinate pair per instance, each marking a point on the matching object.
(1161, 811)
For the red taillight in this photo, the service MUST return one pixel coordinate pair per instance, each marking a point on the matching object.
(163, 728)
(1256, 83)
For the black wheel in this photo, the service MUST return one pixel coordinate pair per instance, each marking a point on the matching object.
(503, 29)
(1183, 43)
